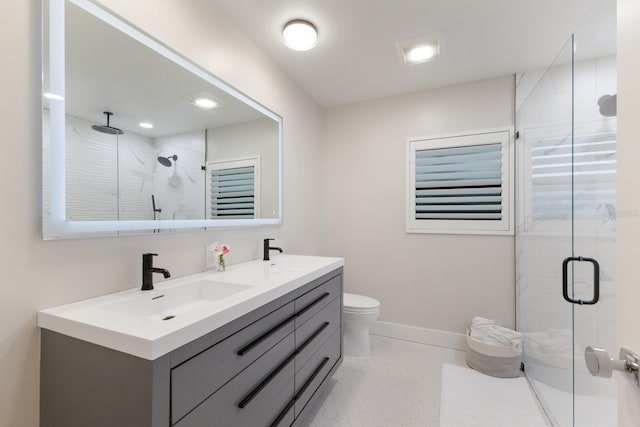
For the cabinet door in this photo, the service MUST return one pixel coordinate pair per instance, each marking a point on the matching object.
(201, 376)
(255, 397)
(314, 332)
(312, 302)
(310, 376)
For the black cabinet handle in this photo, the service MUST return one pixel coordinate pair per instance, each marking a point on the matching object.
(313, 303)
(311, 378)
(312, 337)
(283, 413)
(247, 348)
(596, 280)
(302, 390)
(257, 389)
(249, 397)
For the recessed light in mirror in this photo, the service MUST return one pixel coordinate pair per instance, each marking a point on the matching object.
(205, 103)
(299, 35)
(53, 96)
(146, 125)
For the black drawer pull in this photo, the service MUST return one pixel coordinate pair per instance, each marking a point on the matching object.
(316, 301)
(312, 337)
(283, 413)
(249, 397)
(311, 378)
(247, 348)
(304, 387)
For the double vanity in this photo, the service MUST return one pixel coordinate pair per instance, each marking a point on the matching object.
(250, 346)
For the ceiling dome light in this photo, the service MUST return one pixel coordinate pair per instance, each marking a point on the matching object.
(299, 35)
(205, 103)
(146, 125)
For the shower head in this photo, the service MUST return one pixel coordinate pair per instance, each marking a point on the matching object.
(107, 129)
(608, 105)
(166, 161)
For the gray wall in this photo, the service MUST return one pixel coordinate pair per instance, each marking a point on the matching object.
(435, 281)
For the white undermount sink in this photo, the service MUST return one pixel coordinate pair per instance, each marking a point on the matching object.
(168, 304)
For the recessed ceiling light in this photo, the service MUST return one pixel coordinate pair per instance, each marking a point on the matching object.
(53, 96)
(421, 49)
(205, 103)
(299, 35)
(420, 53)
(146, 125)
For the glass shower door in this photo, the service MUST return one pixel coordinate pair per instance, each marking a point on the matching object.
(566, 222)
(544, 235)
(594, 209)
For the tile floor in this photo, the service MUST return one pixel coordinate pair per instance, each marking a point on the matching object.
(398, 386)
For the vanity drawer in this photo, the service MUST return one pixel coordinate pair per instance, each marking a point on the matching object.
(309, 376)
(255, 397)
(315, 331)
(199, 377)
(313, 301)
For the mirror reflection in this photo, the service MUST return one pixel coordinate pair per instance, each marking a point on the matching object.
(147, 139)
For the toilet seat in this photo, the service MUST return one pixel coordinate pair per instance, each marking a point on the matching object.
(359, 304)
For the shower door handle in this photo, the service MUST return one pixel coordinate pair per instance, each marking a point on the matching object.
(596, 280)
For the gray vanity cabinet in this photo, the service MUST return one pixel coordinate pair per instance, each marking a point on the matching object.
(263, 369)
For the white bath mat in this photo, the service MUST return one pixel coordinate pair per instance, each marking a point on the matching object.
(471, 399)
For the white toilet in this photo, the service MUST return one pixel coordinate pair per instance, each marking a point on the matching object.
(358, 314)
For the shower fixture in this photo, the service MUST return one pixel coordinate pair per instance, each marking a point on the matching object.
(108, 128)
(608, 105)
(155, 209)
(166, 161)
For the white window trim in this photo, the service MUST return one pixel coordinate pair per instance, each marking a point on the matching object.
(502, 227)
(232, 164)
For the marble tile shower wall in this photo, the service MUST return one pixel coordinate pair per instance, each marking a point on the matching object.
(544, 240)
(179, 190)
(111, 178)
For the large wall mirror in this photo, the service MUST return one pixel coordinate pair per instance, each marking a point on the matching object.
(138, 139)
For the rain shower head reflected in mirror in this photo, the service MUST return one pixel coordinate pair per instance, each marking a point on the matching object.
(101, 167)
(166, 161)
(108, 129)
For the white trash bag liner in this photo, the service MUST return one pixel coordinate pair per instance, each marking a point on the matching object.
(494, 350)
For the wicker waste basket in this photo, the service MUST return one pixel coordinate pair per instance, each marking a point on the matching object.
(495, 360)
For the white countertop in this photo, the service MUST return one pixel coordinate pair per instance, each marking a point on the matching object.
(146, 335)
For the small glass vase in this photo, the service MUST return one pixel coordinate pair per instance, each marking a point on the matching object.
(221, 265)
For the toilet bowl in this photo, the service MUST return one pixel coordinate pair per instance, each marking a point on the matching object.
(358, 314)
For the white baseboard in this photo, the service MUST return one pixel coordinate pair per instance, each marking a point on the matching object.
(420, 335)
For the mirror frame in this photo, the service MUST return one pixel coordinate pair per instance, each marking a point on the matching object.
(57, 179)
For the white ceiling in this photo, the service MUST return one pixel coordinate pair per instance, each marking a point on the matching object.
(356, 59)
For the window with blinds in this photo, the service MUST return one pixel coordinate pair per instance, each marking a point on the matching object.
(233, 189)
(573, 181)
(460, 184)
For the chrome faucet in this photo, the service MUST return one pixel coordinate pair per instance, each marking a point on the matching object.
(148, 269)
(268, 248)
